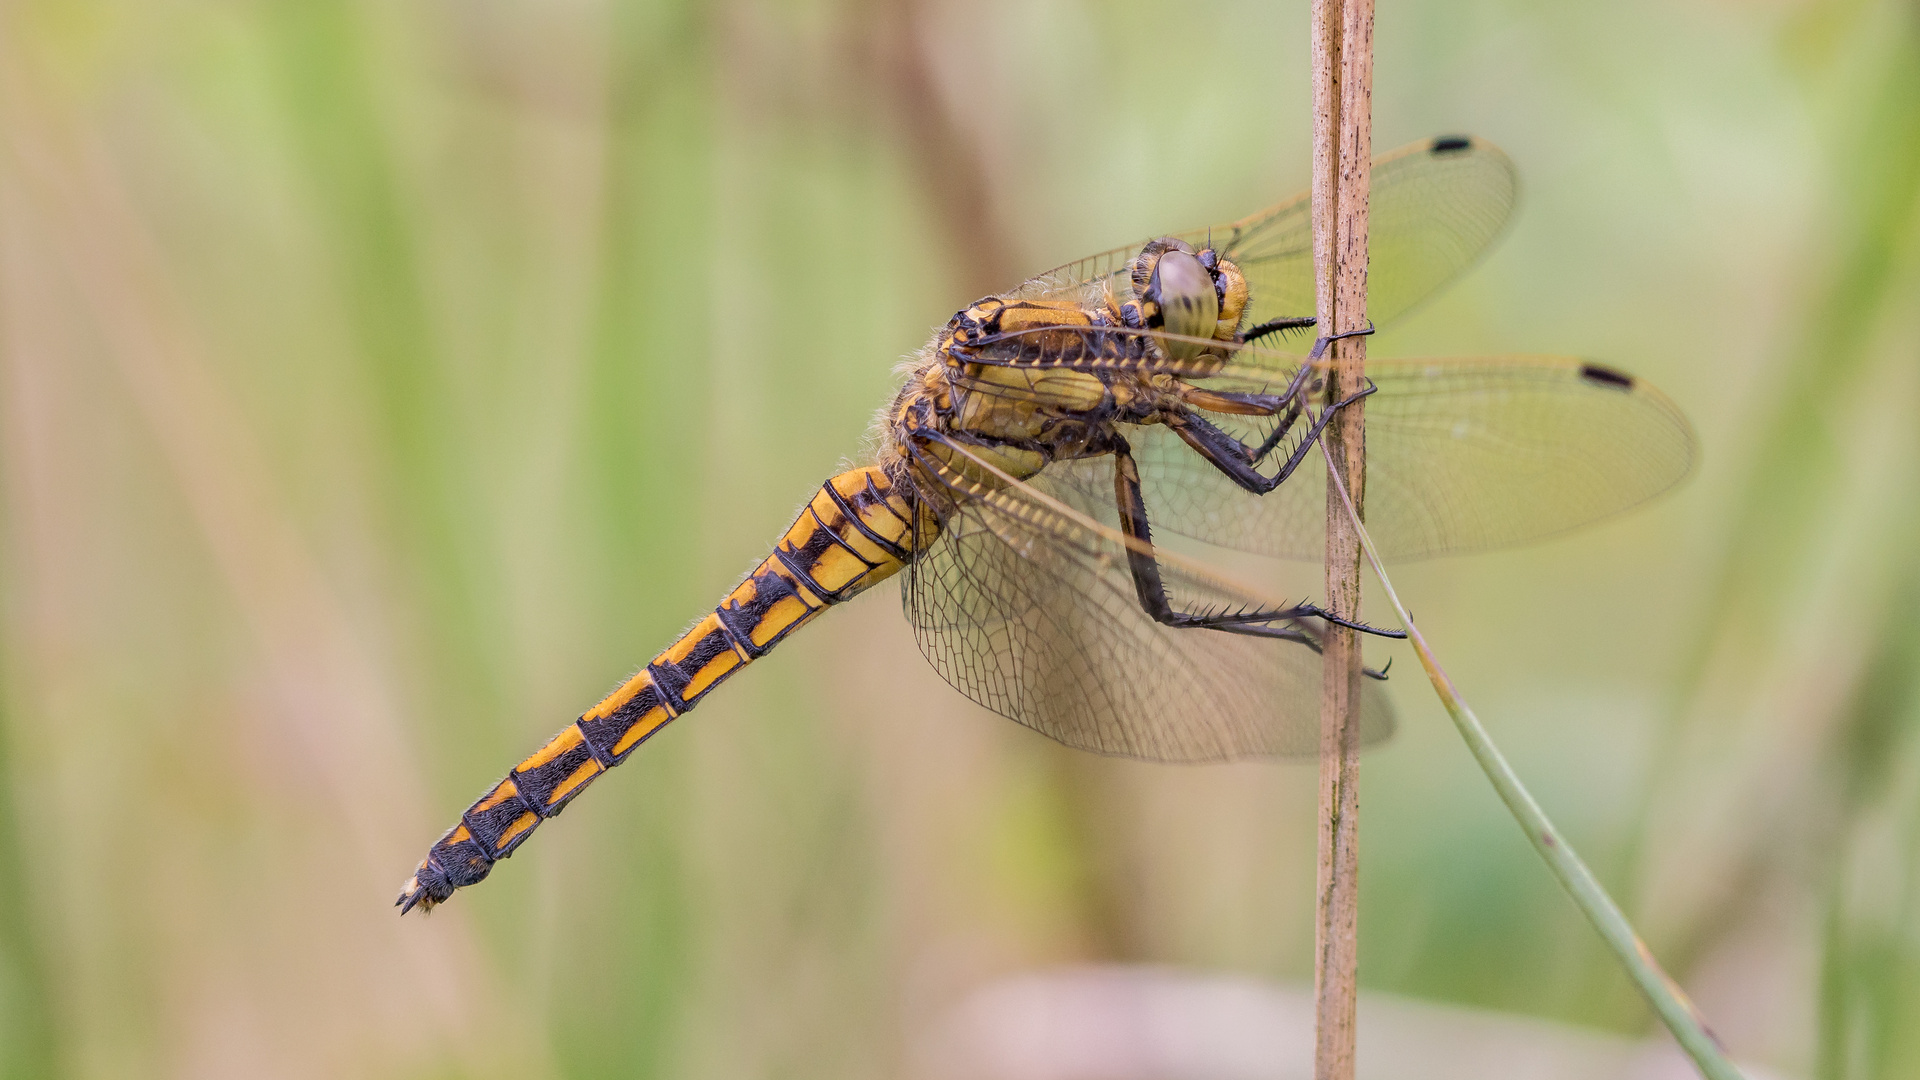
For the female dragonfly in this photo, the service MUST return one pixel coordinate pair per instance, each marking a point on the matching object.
(1045, 434)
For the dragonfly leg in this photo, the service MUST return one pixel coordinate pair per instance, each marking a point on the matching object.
(1276, 326)
(1320, 344)
(1258, 454)
(1235, 402)
(1281, 623)
(1243, 403)
(1296, 395)
(1237, 460)
(1286, 406)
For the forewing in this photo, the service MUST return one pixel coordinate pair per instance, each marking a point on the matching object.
(1462, 455)
(1435, 207)
(1433, 210)
(1025, 605)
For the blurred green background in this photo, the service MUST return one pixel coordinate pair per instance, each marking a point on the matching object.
(381, 382)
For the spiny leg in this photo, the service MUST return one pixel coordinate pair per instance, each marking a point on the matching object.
(1237, 460)
(1286, 405)
(1300, 322)
(1320, 344)
(1278, 326)
(1152, 591)
(1296, 395)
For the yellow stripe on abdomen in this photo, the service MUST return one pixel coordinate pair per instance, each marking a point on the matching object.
(858, 531)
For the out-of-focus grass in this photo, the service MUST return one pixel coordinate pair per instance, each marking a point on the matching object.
(1839, 775)
(28, 1040)
(388, 380)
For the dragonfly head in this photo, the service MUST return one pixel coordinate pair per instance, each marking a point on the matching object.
(1187, 292)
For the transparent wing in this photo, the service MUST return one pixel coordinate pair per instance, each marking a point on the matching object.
(1024, 604)
(1435, 208)
(1462, 455)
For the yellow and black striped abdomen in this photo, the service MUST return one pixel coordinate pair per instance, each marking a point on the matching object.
(858, 531)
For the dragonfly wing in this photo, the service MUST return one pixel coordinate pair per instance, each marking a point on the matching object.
(1462, 455)
(1435, 208)
(1025, 605)
(1084, 281)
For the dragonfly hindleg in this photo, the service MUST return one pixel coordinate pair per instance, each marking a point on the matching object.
(1281, 623)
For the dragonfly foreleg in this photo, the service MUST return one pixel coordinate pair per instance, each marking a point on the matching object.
(1286, 405)
(1281, 623)
(1251, 404)
(1296, 395)
(1277, 326)
(1301, 322)
(1320, 344)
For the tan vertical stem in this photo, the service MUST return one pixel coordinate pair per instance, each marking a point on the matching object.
(1342, 154)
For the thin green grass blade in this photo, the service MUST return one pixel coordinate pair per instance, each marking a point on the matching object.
(28, 1038)
(1669, 1002)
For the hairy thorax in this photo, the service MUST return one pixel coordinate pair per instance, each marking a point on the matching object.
(1016, 418)
(1023, 381)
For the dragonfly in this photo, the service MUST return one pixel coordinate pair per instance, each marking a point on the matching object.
(1061, 456)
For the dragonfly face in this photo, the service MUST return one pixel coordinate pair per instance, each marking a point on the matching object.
(1046, 435)
(1186, 293)
(1181, 292)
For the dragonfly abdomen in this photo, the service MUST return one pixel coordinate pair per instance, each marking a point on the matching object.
(858, 530)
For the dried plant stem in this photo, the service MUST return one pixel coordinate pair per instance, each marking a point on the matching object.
(1342, 43)
(1669, 1002)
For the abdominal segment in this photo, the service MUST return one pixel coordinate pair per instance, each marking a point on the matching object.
(859, 530)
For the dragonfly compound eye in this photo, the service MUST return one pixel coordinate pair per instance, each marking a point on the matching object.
(1189, 305)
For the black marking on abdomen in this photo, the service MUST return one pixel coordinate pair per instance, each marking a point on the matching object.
(876, 496)
(803, 560)
(1606, 376)
(820, 538)
(1451, 144)
(454, 864)
(536, 785)
(853, 515)
(671, 681)
(714, 645)
(605, 733)
(741, 620)
(489, 824)
(802, 573)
